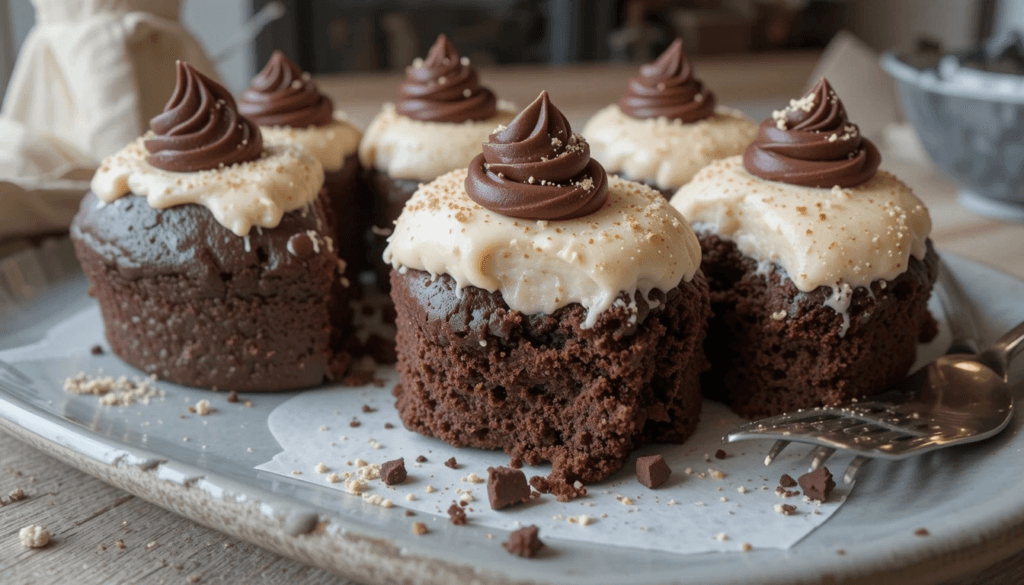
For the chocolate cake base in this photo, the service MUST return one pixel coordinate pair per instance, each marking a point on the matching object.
(476, 373)
(349, 214)
(185, 299)
(775, 349)
(389, 197)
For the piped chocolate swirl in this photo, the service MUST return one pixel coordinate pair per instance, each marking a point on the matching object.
(282, 95)
(444, 87)
(536, 168)
(812, 143)
(667, 88)
(200, 128)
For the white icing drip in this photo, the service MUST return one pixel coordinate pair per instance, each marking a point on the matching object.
(240, 196)
(635, 243)
(662, 152)
(843, 239)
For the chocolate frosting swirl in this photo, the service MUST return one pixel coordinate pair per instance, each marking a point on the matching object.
(536, 168)
(444, 88)
(282, 95)
(813, 144)
(668, 88)
(200, 128)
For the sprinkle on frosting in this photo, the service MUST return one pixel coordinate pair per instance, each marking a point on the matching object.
(838, 238)
(635, 243)
(282, 95)
(812, 143)
(667, 88)
(200, 128)
(444, 88)
(536, 168)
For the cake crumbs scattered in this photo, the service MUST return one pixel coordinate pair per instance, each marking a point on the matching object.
(114, 392)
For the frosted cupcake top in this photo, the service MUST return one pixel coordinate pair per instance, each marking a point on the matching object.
(491, 226)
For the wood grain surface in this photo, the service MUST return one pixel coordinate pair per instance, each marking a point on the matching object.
(88, 518)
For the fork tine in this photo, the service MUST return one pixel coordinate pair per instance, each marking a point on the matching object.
(853, 468)
(774, 451)
(820, 455)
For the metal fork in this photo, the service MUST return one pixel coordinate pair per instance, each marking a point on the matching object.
(961, 397)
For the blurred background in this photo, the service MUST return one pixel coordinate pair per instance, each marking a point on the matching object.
(336, 36)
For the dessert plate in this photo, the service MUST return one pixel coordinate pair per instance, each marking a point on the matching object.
(966, 498)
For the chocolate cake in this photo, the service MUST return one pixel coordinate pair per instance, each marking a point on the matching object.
(666, 127)
(819, 265)
(188, 290)
(290, 109)
(442, 117)
(545, 308)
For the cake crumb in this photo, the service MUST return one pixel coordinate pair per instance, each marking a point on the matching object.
(430, 489)
(451, 463)
(410, 497)
(233, 396)
(16, 495)
(922, 532)
(472, 478)
(419, 528)
(114, 392)
(785, 509)
(34, 536)
(203, 407)
(120, 544)
(321, 468)
(333, 478)
(721, 537)
(356, 486)
(746, 547)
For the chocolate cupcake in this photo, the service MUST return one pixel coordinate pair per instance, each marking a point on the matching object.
(442, 117)
(209, 254)
(819, 264)
(667, 126)
(290, 109)
(545, 308)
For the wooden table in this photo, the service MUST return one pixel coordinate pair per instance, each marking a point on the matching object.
(89, 518)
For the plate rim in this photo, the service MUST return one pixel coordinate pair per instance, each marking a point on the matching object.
(374, 556)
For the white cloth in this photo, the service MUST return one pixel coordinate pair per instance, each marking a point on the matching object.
(90, 75)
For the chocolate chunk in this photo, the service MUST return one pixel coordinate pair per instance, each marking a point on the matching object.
(720, 454)
(787, 481)
(652, 471)
(506, 487)
(456, 514)
(451, 463)
(524, 542)
(393, 472)
(421, 459)
(96, 350)
(232, 396)
(818, 484)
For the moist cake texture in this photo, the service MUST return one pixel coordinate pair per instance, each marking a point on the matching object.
(209, 252)
(819, 264)
(545, 308)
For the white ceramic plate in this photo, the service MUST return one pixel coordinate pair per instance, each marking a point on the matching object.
(967, 498)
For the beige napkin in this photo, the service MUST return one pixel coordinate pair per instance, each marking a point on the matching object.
(90, 75)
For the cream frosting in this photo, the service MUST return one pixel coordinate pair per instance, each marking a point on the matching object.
(662, 152)
(329, 144)
(840, 238)
(422, 151)
(635, 242)
(240, 196)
